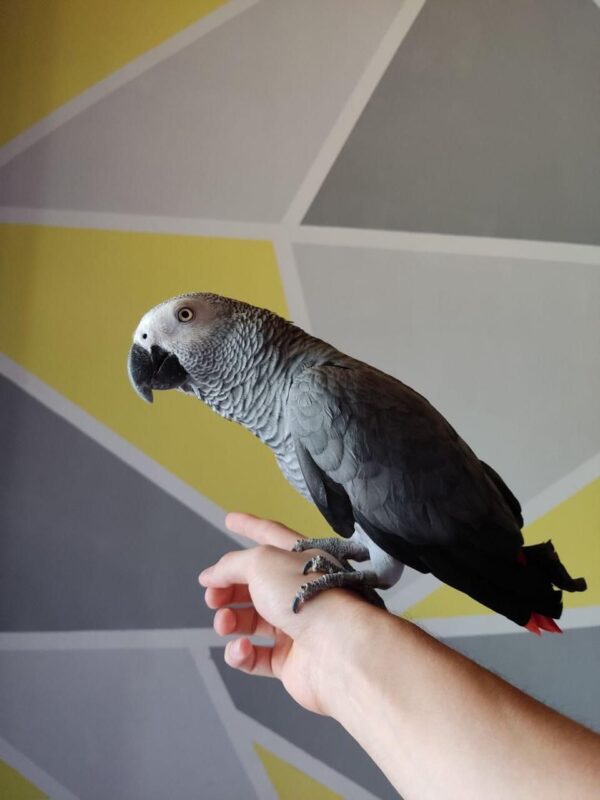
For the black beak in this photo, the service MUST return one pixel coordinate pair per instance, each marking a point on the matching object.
(156, 369)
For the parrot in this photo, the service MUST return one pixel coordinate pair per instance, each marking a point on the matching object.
(388, 472)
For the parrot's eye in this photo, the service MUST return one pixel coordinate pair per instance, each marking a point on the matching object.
(185, 314)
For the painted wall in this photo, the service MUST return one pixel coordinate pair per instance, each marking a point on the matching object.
(418, 182)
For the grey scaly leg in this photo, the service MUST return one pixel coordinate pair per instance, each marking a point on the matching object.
(362, 582)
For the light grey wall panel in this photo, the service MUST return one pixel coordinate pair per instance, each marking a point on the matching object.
(507, 349)
(226, 129)
(128, 725)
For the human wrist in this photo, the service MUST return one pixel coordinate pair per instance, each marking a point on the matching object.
(339, 640)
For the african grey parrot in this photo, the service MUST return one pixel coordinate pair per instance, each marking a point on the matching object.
(386, 470)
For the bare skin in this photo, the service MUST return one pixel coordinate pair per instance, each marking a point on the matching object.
(437, 724)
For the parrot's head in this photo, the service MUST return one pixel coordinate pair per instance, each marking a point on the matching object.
(177, 339)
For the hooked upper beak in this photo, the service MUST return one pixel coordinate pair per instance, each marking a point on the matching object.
(157, 369)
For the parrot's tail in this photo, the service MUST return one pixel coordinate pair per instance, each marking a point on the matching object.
(544, 558)
(522, 590)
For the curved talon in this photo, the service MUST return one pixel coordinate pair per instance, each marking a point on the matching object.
(361, 582)
(299, 599)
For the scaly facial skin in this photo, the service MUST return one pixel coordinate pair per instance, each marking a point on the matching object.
(169, 340)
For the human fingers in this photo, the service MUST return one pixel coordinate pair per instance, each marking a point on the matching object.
(241, 621)
(262, 531)
(217, 597)
(273, 577)
(254, 659)
(240, 566)
(233, 568)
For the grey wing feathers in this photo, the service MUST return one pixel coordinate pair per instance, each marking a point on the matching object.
(372, 449)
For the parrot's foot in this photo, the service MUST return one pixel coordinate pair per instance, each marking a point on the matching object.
(342, 549)
(322, 564)
(361, 582)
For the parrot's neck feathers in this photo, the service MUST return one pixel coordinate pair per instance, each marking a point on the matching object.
(247, 375)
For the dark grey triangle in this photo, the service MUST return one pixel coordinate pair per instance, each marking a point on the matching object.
(486, 123)
(86, 541)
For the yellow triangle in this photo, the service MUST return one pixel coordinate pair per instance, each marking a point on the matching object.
(13, 786)
(51, 50)
(69, 302)
(573, 526)
(289, 782)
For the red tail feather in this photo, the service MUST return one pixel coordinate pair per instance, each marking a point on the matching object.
(538, 622)
(533, 626)
(546, 623)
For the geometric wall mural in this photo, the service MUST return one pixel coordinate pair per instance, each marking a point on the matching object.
(506, 348)
(289, 782)
(153, 750)
(416, 186)
(54, 50)
(69, 302)
(252, 103)
(91, 544)
(16, 786)
(321, 738)
(488, 121)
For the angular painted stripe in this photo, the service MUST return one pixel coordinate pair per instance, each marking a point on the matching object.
(486, 123)
(69, 302)
(53, 51)
(49, 785)
(15, 786)
(443, 244)
(245, 732)
(230, 123)
(144, 639)
(353, 108)
(119, 447)
(132, 724)
(290, 782)
(268, 703)
(87, 542)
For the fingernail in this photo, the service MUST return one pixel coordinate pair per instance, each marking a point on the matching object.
(230, 651)
(204, 574)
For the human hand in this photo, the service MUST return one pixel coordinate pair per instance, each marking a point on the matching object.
(266, 579)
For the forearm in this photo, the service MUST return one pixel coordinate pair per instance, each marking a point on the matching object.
(439, 725)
